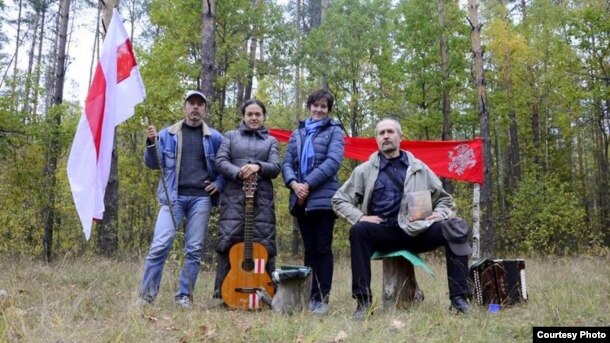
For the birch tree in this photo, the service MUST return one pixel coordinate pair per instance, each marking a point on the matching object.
(488, 241)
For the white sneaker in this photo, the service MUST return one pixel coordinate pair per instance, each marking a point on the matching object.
(142, 302)
(184, 302)
(318, 308)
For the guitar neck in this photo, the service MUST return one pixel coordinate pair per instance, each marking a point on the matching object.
(248, 227)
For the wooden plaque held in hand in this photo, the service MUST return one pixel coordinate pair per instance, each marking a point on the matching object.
(419, 205)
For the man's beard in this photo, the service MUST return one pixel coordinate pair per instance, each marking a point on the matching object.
(391, 147)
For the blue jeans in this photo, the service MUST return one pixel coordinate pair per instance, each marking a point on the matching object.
(196, 210)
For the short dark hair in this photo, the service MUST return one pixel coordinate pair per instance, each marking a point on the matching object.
(321, 94)
(250, 102)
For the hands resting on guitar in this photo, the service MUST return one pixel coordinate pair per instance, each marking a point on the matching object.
(248, 170)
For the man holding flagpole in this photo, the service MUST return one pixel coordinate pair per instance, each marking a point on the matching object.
(189, 187)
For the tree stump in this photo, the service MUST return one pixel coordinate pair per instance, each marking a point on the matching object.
(400, 288)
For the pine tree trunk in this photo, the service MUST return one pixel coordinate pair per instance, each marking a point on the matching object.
(603, 169)
(320, 6)
(296, 234)
(535, 119)
(208, 49)
(515, 150)
(297, 67)
(96, 46)
(315, 13)
(38, 60)
(29, 75)
(107, 241)
(535, 103)
(208, 78)
(241, 86)
(440, 4)
(18, 42)
(53, 148)
(354, 110)
(252, 54)
(251, 66)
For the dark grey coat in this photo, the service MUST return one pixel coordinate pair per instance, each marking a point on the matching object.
(238, 148)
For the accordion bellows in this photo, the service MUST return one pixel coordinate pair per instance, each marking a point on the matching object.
(499, 281)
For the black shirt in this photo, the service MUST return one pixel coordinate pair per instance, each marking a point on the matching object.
(388, 189)
(193, 171)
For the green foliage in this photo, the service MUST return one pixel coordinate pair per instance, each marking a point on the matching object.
(546, 218)
(171, 65)
(417, 32)
(546, 65)
(12, 133)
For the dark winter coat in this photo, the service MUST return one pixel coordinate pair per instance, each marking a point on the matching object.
(238, 148)
(322, 179)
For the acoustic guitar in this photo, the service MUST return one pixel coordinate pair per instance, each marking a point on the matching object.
(248, 260)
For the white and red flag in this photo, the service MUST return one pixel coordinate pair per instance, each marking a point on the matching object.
(116, 89)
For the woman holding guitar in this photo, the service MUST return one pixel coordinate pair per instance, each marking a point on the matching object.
(310, 167)
(248, 158)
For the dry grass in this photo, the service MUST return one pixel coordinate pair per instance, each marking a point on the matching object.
(92, 300)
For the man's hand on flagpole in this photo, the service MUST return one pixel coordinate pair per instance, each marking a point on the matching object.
(151, 133)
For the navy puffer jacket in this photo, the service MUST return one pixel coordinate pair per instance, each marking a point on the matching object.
(322, 179)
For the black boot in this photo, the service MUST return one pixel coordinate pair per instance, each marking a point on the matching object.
(460, 304)
(364, 309)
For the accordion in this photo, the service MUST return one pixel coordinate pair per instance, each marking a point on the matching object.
(498, 281)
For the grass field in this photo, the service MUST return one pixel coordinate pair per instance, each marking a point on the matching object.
(92, 300)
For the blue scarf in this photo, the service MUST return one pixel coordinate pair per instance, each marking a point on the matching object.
(308, 155)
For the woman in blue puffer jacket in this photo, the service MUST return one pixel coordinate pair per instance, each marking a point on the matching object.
(310, 167)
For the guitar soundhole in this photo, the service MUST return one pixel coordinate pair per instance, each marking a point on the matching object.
(248, 265)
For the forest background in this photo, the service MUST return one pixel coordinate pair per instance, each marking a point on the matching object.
(542, 106)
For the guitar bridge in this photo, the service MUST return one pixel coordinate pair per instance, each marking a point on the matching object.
(247, 290)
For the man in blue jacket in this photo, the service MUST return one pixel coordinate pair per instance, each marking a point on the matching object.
(189, 187)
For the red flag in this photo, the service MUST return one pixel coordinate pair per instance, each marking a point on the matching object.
(458, 160)
(116, 89)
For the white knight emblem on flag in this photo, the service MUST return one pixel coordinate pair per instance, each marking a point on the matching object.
(461, 158)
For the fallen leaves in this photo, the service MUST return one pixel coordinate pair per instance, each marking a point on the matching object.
(341, 336)
(206, 331)
(151, 318)
(397, 325)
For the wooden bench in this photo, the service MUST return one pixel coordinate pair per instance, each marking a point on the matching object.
(400, 288)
